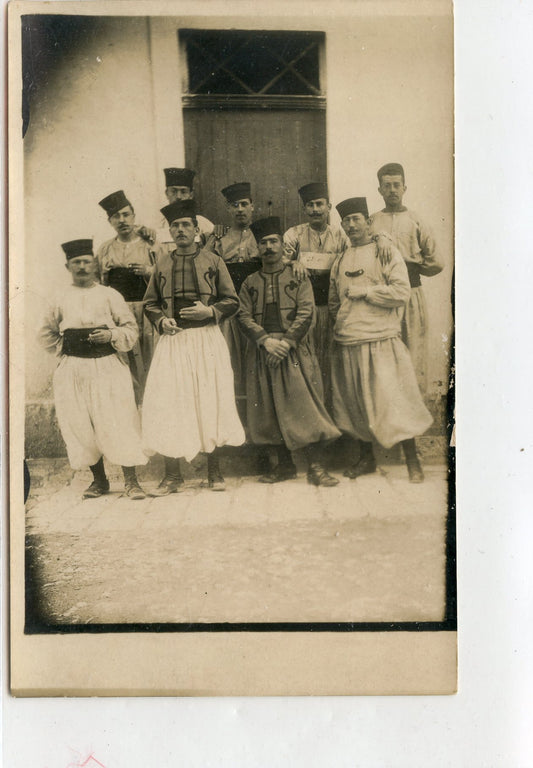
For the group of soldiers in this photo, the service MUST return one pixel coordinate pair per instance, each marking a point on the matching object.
(188, 337)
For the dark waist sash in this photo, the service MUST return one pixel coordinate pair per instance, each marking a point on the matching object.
(76, 343)
(180, 303)
(132, 287)
(320, 285)
(414, 274)
(239, 271)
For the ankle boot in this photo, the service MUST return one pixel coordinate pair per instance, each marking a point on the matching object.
(100, 483)
(172, 481)
(131, 484)
(365, 465)
(414, 468)
(316, 473)
(215, 481)
(285, 469)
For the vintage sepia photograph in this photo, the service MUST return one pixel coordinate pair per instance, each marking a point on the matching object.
(232, 342)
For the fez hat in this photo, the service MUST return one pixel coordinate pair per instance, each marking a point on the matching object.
(179, 177)
(238, 191)
(314, 191)
(353, 205)
(265, 227)
(77, 248)
(114, 202)
(391, 169)
(181, 209)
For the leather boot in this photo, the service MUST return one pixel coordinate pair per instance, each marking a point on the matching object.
(100, 483)
(172, 481)
(414, 468)
(131, 484)
(284, 470)
(215, 481)
(366, 464)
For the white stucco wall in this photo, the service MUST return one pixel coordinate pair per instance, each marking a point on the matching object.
(91, 132)
(390, 99)
(112, 120)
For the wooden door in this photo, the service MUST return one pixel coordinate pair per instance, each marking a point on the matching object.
(277, 151)
(254, 110)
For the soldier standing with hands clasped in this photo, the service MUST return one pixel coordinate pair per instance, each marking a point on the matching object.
(283, 384)
(189, 405)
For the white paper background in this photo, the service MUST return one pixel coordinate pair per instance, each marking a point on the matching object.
(489, 722)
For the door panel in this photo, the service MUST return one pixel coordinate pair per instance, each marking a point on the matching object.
(277, 151)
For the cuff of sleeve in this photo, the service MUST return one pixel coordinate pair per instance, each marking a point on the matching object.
(261, 339)
(113, 340)
(216, 315)
(290, 340)
(384, 234)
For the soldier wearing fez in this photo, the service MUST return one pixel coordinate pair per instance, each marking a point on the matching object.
(236, 243)
(86, 327)
(315, 245)
(189, 404)
(237, 246)
(375, 392)
(283, 384)
(179, 186)
(126, 263)
(416, 243)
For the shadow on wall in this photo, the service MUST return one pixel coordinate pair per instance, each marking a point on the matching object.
(47, 44)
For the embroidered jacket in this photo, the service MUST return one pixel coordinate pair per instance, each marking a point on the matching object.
(212, 281)
(295, 305)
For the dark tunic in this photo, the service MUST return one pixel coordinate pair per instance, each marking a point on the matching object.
(284, 403)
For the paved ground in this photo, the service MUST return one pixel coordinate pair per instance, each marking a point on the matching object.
(368, 550)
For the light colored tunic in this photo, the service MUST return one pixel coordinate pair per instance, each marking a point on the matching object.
(304, 239)
(414, 240)
(115, 253)
(234, 245)
(305, 244)
(94, 399)
(375, 393)
(377, 316)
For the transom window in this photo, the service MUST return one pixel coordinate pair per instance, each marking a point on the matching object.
(231, 66)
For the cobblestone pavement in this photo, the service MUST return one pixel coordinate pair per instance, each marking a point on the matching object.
(368, 550)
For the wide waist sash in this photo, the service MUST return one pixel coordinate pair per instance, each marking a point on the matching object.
(76, 343)
(320, 285)
(132, 287)
(179, 304)
(239, 271)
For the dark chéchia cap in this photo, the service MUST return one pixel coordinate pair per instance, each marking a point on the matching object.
(391, 169)
(77, 248)
(265, 227)
(351, 206)
(314, 191)
(238, 191)
(181, 209)
(114, 202)
(179, 177)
